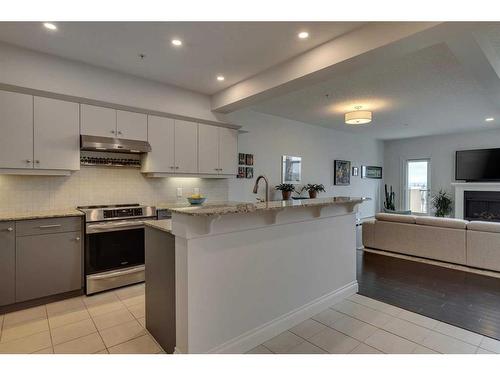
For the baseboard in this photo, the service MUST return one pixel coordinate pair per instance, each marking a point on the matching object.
(267, 331)
(433, 262)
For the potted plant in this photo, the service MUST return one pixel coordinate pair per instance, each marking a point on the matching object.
(286, 190)
(313, 189)
(441, 201)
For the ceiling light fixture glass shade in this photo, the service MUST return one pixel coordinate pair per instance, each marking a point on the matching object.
(358, 117)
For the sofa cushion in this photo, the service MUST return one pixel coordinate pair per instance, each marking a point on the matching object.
(484, 226)
(441, 222)
(408, 219)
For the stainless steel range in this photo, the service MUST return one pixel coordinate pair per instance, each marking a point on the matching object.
(114, 245)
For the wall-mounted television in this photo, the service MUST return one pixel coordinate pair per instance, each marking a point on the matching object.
(478, 165)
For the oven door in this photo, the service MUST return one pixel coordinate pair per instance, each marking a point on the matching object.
(113, 246)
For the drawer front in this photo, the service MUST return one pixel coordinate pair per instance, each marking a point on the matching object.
(46, 226)
(7, 263)
(48, 264)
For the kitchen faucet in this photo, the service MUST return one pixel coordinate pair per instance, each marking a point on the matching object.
(256, 186)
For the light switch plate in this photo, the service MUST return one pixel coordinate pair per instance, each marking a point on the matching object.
(179, 192)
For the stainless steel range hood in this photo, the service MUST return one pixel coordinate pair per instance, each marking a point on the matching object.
(94, 143)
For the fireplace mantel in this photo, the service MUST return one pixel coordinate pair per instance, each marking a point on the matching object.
(460, 187)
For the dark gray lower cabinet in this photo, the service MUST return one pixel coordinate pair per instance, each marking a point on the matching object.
(160, 287)
(7, 262)
(48, 264)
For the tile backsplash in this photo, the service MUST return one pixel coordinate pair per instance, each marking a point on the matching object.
(99, 185)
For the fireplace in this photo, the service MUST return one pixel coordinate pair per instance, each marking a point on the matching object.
(482, 205)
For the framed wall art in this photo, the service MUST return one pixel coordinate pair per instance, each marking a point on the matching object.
(342, 172)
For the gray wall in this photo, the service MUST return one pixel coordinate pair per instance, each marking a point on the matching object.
(440, 149)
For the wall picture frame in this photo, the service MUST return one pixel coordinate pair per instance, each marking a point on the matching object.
(371, 171)
(242, 172)
(355, 171)
(249, 172)
(241, 158)
(291, 169)
(342, 172)
(249, 159)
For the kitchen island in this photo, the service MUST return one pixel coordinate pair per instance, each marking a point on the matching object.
(246, 272)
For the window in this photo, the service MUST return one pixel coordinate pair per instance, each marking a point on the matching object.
(417, 186)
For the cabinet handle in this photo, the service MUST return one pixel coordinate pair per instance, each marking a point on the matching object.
(172, 167)
(177, 167)
(112, 132)
(10, 229)
(49, 226)
(37, 161)
(28, 161)
(77, 239)
(119, 133)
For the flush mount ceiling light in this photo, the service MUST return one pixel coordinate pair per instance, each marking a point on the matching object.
(220, 78)
(50, 26)
(177, 42)
(489, 119)
(358, 117)
(303, 35)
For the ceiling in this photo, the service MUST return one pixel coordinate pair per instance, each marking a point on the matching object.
(443, 88)
(236, 50)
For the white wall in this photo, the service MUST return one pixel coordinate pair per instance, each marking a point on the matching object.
(440, 149)
(269, 137)
(22, 67)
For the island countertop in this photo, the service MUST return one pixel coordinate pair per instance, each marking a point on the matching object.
(164, 225)
(224, 208)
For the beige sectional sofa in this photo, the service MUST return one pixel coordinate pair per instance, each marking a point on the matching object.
(474, 244)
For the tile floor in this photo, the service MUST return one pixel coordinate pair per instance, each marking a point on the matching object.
(361, 325)
(110, 322)
(113, 322)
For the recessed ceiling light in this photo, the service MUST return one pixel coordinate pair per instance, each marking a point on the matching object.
(303, 35)
(220, 78)
(489, 119)
(50, 26)
(177, 42)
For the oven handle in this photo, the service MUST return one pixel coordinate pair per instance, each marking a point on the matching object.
(110, 227)
(109, 275)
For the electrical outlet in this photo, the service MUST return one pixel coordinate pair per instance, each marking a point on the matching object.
(179, 192)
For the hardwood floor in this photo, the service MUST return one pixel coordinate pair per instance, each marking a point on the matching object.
(463, 299)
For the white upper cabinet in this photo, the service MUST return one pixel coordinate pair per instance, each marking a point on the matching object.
(186, 146)
(98, 121)
(56, 134)
(131, 125)
(16, 125)
(228, 151)
(161, 138)
(217, 150)
(208, 149)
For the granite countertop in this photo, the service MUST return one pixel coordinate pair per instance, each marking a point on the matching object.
(164, 225)
(26, 215)
(223, 208)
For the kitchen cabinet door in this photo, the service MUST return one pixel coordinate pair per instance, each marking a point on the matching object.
(56, 134)
(186, 147)
(98, 121)
(161, 137)
(48, 264)
(131, 125)
(208, 149)
(228, 151)
(16, 130)
(7, 263)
